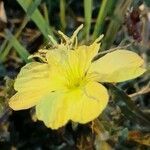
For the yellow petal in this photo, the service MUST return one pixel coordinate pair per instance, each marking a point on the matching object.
(72, 62)
(117, 66)
(89, 51)
(89, 104)
(63, 66)
(33, 82)
(52, 110)
(78, 105)
(25, 100)
(56, 57)
(86, 54)
(33, 76)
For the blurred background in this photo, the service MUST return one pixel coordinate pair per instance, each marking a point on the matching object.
(24, 28)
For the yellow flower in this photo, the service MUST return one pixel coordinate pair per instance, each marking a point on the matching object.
(66, 85)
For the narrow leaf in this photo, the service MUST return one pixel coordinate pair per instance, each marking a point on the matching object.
(37, 18)
(18, 47)
(62, 13)
(115, 23)
(88, 15)
(101, 18)
(127, 107)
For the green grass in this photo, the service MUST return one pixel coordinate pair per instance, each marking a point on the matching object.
(23, 53)
(37, 18)
(63, 14)
(33, 13)
(115, 23)
(101, 18)
(88, 16)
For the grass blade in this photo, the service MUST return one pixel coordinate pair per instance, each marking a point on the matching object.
(6, 50)
(101, 18)
(30, 10)
(18, 47)
(45, 12)
(37, 19)
(62, 14)
(88, 16)
(127, 107)
(32, 7)
(3, 46)
(116, 22)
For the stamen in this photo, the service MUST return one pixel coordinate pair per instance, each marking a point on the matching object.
(66, 38)
(76, 32)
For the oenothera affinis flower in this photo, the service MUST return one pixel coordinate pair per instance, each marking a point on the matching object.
(65, 85)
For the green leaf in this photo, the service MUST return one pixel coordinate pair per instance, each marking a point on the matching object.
(127, 107)
(115, 23)
(6, 48)
(62, 14)
(147, 2)
(88, 15)
(24, 54)
(37, 18)
(2, 70)
(101, 18)
(32, 7)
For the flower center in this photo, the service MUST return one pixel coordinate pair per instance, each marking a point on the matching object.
(72, 84)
